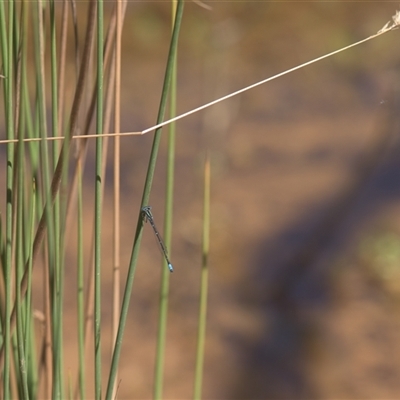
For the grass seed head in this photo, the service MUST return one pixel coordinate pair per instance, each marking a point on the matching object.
(389, 26)
(396, 19)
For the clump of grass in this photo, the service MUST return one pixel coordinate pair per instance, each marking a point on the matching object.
(23, 246)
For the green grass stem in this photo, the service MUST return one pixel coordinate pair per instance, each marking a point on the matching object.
(7, 50)
(58, 224)
(29, 334)
(98, 201)
(19, 258)
(80, 290)
(145, 199)
(165, 274)
(201, 335)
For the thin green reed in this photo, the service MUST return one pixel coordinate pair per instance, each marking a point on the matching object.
(8, 66)
(145, 199)
(98, 198)
(27, 213)
(80, 288)
(22, 347)
(25, 101)
(201, 335)
(29, 336)
(58, 224)
(52, 219)
(41, 124)
(165, 274)
(44, 171)
(19, 267)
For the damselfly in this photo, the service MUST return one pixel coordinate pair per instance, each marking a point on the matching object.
(148, 217)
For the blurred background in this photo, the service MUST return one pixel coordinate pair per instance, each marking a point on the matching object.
(305, 212)
(305, 245)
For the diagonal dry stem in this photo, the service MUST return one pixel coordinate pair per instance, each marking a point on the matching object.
(389, 26)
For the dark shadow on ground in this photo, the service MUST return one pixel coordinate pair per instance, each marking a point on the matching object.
(292, 277)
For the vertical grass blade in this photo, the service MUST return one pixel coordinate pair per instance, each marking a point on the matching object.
(80, 290)
(201, 335)
(145, 198)
(165, 274)
(58, 218)
(19, 266)
(116, 280)
(8, 66)
(98, 201)
(29, 337)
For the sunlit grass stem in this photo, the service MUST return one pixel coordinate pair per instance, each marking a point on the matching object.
(116, 279)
